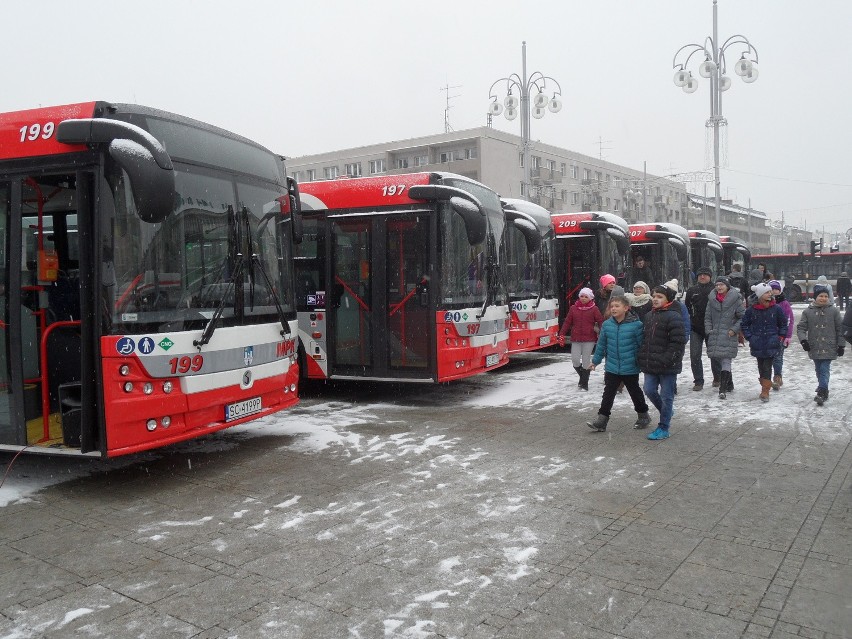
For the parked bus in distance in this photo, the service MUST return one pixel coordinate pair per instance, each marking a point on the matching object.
(147, 290)
(799, 271)
(588, 245)
(706, 252)
(530, 280)
(399, 278)
(666, 252)
(735, 251)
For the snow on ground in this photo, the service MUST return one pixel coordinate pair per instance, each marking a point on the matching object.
(543, 381)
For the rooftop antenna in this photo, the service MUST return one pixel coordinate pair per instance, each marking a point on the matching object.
(602, 148)
(447, 88)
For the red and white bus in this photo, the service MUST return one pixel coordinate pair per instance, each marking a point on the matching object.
(666, 250)
(706, 252)
(530, 278)
(735, 251)
(127, 286)
(399, 278)
(799, 271)
(587, 246)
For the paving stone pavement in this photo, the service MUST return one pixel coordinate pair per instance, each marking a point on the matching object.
(426, 517)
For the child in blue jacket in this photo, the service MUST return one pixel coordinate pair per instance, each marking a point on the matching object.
(618, 342)
(764, 325)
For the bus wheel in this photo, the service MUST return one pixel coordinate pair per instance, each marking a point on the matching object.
(794, 293)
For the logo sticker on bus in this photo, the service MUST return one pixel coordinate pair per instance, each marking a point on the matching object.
(248, 355)
(125, 346)
(166, 343)
(146, 345)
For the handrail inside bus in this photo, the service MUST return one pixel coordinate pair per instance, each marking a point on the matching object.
(352, 293)
(45, 391)
(402, 302)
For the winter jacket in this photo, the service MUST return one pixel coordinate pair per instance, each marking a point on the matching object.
(684, 315)
(781, 300)
(844, 286)
(847, 324)
(661, 351)
(619, 343)
(580, 322)
(602, 301)
(764, 327)
(696, 299)
(720, 318)
(738, 281)
(823, 328)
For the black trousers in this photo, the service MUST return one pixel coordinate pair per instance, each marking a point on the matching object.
(631, 383)
(764, 367)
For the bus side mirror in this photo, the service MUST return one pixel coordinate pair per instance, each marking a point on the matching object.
(295, 210)
(140, 154)
(474, 221)
(528, 228)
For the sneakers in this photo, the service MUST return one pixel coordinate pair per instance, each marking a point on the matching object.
(599, 424)
(642, 421)
(658, 434)
(698, 386)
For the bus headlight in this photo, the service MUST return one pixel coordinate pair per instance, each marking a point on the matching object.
(124, 370)
(292, 388)
(151, 425)
(147, 388)
(128, 387)
(167, 387)
(166, 421)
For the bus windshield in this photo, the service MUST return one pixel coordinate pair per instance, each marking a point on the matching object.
(173, 275)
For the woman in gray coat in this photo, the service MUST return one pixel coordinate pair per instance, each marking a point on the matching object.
(722, 326)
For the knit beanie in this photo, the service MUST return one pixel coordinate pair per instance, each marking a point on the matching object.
(774, 284)
(644, 286)
(724, 279)
(761, 289)
(607, 279)
(819, 288)
(665, 290)
(588, 292)
(672, 284)
(704, 271)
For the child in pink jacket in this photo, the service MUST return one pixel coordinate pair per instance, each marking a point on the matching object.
(583, 322)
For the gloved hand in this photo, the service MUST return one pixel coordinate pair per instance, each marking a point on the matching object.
(840, 351)
(560, 339)
(805, 345)
(786, 342)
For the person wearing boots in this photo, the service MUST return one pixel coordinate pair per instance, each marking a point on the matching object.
(661, 355)
(696, 299)
(778, 361)
(583, 322)
(722, 327)
(618, 343)
(764, 326)
(820, 331)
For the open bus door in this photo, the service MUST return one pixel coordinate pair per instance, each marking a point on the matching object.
(48, 338)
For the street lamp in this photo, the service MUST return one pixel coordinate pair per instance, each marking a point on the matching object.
(714, 67)
(517, 102)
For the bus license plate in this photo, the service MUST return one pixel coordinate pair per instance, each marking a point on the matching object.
(492, 360)
(544, 340)
(242, 409)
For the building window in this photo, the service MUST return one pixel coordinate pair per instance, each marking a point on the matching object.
(564, 195)
(575, 197)
(535, 161)
(563, 169)
(421, 160)
(377, 166)
(617, 182)
(607, 203)
(551, 165)
(310, 175)
(330, 172)
(615, 207)
(296, 175)
(353, 170)
(470, 154)
(587, 174)
(402, 163)
(598, 177)
(574, 171)
(521, 160)
(446, 156)
(523, 189)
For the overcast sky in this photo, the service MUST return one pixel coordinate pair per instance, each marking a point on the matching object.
(306, 77)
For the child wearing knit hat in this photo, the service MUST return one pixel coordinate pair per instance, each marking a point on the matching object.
(583, 322)
(820, 332)
(764, 325)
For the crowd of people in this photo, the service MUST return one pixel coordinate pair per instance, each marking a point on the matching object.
(647, 330)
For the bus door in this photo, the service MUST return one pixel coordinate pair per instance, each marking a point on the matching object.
(42, 347)
(381, 311)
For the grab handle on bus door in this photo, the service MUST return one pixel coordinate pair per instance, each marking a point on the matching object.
(423, 288)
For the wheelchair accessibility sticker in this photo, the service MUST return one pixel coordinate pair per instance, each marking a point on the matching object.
(125, 346)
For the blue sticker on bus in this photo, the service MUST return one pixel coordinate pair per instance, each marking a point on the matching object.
(146, 345)
(457, 316)
(125, 346)
(448, 316)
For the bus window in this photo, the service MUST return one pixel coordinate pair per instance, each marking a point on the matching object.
(462, 265)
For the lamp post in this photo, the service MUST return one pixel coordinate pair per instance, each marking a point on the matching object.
(524, 86)
(714, 67)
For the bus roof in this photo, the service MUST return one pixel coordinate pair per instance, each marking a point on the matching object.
(539, 214)
(581, 223)
(798, 256)
(700, 236)
(32, 133)
(640, 233)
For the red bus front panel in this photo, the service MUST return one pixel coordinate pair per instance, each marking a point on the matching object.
(468, 345)
(159, 389)
(532, 326)
(32, 133)
(360, 193)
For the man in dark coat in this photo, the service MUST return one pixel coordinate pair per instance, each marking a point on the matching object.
(660, 356)
(696, 299)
